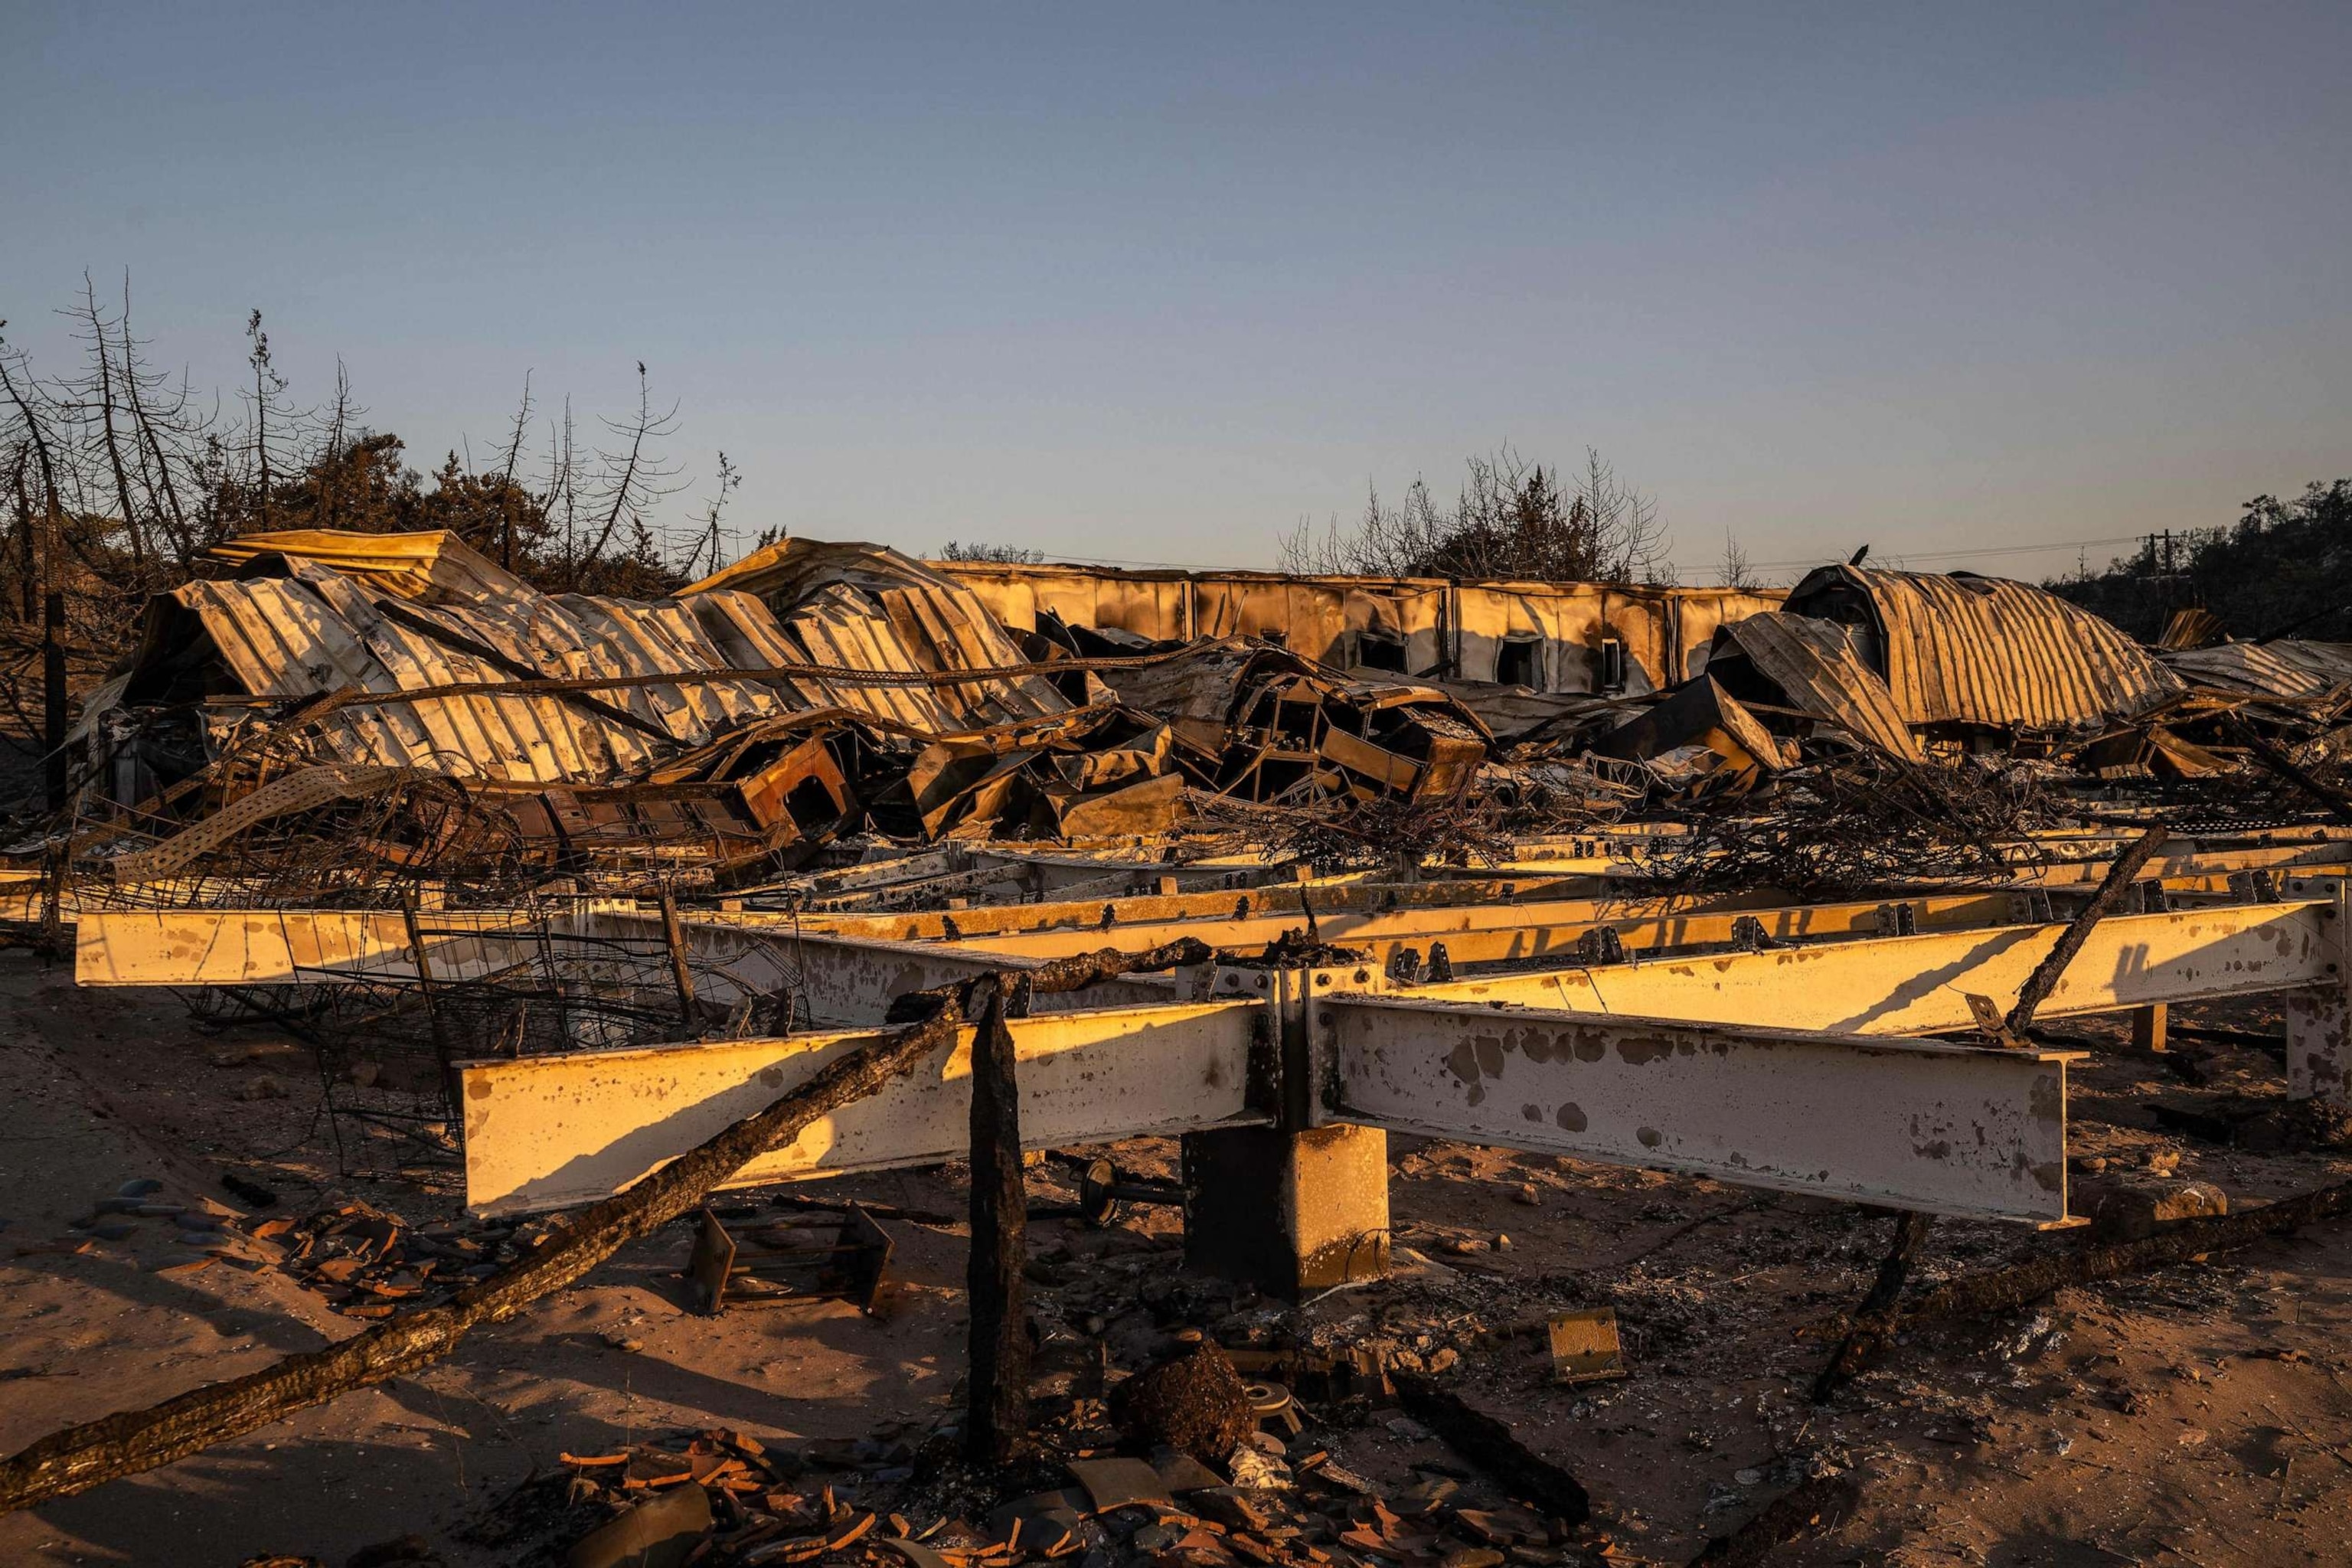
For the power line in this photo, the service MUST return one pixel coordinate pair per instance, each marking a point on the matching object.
(1906, 556)
(1971, 555)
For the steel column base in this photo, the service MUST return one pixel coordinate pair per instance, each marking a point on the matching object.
(1289, 1213)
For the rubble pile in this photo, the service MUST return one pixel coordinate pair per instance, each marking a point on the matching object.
(414, 710)
(1125, 1493)
(368, 1263)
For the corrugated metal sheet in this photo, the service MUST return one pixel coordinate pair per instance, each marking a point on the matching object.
(1817, 666)
(863, 606)
(313, 613)
(2282, 669)
(426, 566)
(1963, 650)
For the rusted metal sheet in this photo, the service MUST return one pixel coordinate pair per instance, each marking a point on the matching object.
(1272, 726)
(1701, 714)
(1949, 1130)
(1963, 650)
(1100, 770)
(410, 566)
(552, 1131)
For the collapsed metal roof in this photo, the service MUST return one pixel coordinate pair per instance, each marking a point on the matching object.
(1964, 649)
(315, 614)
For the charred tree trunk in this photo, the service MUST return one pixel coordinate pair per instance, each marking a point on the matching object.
(53, 698)
(997, 1390)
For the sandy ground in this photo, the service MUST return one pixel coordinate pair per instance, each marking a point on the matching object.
(2201, 1415)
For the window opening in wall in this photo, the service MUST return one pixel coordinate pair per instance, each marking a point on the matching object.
(1520, 661)
(1376, 649)
(1613, 664)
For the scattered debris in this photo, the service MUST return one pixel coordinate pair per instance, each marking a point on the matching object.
(1584, 1346)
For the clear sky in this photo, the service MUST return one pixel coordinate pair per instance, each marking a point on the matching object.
(1154, 283)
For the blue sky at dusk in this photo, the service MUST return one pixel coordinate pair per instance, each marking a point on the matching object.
(1154, 283)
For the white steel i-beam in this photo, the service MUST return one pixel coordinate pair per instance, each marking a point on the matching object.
(1954, 1130)
(1921, 984)
(552, 1132)
(2319, 1020)
(292, 947)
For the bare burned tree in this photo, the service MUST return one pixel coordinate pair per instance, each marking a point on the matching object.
(1512, 518)
(995, 554)
(507, 471)
(709, 551)
(1733, 571)
(167, 424)
(272, 422)
(106, 435)
(116, 478)
(634, 480)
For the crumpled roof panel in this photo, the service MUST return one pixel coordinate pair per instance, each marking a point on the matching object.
(313, 612)
(318, 633)
(827, 593)
(1816, 664)
(426, 567)
(2282, 669)
(1963, 650)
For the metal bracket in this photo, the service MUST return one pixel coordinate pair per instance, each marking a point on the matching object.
(1602, 944)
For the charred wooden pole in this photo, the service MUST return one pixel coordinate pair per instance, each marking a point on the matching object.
(1873, 1320)
(996, 1411)
(2047, 974)
(57, 867)
(53, 698)
(674, 939)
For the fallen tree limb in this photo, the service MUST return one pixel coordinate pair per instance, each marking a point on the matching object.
(125, 1444)
(2047, 974)
(1871, 1319)
(2006, 1289)
(1806, 1508)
